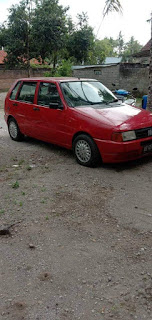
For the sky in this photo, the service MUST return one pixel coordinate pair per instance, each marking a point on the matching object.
(133, 21)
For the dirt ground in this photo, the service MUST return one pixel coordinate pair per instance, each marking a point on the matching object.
(78, 240)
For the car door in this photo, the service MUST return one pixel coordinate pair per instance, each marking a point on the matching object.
(12, 106)
(52, 112)
(25, 106)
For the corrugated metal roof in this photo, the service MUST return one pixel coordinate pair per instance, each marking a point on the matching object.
(108, 62)
(112, 60)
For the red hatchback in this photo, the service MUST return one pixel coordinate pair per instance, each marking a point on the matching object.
(78, 114)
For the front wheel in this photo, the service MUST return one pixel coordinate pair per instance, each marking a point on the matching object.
(86, 151)
(14, 130)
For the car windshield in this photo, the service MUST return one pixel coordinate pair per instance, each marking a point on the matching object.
(82, 93)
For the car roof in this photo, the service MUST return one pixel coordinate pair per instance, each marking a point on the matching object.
(55, 79)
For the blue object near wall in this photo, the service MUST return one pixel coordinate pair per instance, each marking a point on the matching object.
(144, 102)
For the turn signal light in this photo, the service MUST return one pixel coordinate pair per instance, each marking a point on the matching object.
(117, 137)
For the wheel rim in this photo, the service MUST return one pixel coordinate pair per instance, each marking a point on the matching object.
(83, 151)
(13, 129)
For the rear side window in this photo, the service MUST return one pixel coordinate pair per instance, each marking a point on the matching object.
(27, 92)
(14, 91)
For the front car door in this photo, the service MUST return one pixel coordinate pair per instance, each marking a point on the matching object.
(53, 113)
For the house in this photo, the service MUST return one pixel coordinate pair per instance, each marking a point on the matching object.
(143, 56)
(3, 54)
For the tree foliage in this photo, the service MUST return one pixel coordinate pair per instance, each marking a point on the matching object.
(81, 41)
(130, 48)
(49, 28)
(34, 29)
(112, 5)
(14, 35)
(42, 29)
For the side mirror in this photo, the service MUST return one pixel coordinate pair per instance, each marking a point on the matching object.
(55, 105)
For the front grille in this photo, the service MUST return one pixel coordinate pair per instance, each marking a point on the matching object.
(143, 133)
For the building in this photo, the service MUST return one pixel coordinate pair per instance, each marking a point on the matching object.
(3, 55)
(143, 56)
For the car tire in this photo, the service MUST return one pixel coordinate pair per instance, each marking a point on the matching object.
(14, 130)
(86, 151)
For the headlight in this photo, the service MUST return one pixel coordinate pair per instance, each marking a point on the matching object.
(128, 135)
(124, 136)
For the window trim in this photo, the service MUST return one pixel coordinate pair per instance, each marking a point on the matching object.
(47, 82)
(20, 88)
(17, 92)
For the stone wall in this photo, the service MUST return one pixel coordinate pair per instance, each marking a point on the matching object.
(106, 74)
(7, 77)
(134, 75)
(125, 76)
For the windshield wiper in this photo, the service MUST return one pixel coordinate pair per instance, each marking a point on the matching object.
(114, 100)
(100, 102)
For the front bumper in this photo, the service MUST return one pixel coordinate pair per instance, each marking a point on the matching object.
(123, 151)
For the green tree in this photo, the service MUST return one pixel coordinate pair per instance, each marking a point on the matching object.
(120, 44)
(15, 34)
(112, 5)
(101, 50)
(130, 48)
(49, 28)
(34, 29)
(81, 41)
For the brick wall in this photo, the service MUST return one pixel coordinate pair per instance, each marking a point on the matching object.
(7, 77)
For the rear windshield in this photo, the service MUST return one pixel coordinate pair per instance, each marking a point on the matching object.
(82, 93)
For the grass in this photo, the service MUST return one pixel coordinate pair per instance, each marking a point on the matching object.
(4, 90)
(15, 185)
(139, 102)
(2, 211)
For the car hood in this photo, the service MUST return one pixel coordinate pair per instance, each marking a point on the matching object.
(122, 116)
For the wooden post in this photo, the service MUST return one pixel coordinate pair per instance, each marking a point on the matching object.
(149, 102)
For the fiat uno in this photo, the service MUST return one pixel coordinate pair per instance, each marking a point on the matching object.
(78, 114)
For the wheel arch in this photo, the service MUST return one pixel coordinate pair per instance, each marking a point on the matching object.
(10, 117)
(94, 148)
(79, 133)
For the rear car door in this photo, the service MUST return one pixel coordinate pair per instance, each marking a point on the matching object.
(12, 107)
(25, 107)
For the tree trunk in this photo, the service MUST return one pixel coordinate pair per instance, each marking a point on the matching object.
(149, 103)
(54, 60)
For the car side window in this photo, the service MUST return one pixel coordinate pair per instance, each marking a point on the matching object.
(14, 91)
(27, 92)
(48, 94)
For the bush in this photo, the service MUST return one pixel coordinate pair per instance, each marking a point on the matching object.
(63, 70)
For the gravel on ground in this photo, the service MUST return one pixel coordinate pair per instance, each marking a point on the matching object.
(75, 242)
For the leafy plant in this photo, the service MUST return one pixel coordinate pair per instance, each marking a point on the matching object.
(15, 185)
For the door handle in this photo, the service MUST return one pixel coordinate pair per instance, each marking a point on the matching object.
(36, 109)
(15, 104)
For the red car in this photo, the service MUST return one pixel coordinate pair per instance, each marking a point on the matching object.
(78, 114)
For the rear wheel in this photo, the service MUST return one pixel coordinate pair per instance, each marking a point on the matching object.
(86, 151)
(14, 130)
